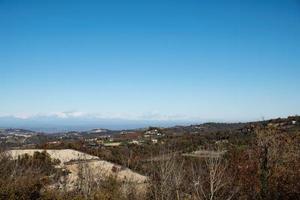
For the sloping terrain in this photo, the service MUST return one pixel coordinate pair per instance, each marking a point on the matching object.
(85, 165)
(64, 155)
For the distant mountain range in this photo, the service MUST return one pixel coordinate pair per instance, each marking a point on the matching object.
(53, 124)
(16, 137)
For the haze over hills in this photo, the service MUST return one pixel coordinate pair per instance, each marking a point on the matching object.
(65, 122)
(17, 137)
(51, 124)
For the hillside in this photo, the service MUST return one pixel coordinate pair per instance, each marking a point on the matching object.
(72, 161)
(254, 160)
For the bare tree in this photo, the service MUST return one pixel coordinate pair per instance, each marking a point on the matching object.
(167, 181)
(210, 180)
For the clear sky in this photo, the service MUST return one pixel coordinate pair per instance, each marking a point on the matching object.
(164, 59)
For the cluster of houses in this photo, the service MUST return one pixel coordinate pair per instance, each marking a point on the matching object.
(138, 137)
(126, 137)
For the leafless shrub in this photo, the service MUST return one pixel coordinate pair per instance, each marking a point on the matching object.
(103, 185)
(167, 179)
(210, 181)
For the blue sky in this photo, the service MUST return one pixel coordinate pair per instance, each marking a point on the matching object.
(165, 60)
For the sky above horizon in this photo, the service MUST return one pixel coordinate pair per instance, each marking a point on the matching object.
(165, 60)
